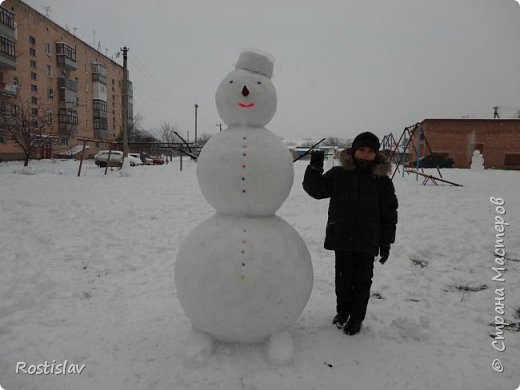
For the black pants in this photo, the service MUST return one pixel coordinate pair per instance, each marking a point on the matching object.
(354, 272)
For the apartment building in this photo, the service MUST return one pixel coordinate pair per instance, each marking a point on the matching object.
(70, 86)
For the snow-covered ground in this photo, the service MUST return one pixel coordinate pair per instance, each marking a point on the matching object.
(86, 275)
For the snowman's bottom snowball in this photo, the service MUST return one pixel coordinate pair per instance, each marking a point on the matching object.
(243, 279)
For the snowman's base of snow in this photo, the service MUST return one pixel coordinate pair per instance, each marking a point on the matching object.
(243, 280)
(200, 347)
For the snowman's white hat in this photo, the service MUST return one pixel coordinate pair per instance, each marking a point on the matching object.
(256, 61)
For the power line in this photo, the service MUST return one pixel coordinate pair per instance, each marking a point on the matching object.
(165, 93)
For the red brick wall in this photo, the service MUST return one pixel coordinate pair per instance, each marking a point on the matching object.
(459, 137)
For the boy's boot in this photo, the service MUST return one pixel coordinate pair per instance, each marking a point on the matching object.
(340, 320)
(353, 326)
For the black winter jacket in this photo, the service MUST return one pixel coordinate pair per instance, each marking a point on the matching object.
(363, 206)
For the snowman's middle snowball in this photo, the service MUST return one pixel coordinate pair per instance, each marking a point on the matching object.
(245, 171)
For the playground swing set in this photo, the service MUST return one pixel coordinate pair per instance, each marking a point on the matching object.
(399, 150)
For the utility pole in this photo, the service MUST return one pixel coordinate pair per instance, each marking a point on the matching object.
(125, 102)
(196, 107)
(495, 114)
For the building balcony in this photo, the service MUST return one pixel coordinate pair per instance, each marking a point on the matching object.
(100, 133)
(66, 56)
(68, 121)
(68, 128)
(7, 24)
(8, 90)
(100, 114)
(7, 53)
(99, 73)
(7, 119)
(71, 85)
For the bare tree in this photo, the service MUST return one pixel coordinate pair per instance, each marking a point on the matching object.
(203, 138)
(336, 141)
(332, 141)
(29, 126)
(168, 133)
(135, 128)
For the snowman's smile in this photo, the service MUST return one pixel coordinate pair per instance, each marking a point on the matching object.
(243, 105)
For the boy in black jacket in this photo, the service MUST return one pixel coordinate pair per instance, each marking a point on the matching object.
(362, 218)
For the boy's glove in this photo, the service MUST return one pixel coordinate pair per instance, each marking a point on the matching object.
(317, 157)
(384, 252)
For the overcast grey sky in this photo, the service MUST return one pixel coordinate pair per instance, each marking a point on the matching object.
(341, 67)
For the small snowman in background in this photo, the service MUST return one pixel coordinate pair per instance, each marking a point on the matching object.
(244, 275)
(477, 161)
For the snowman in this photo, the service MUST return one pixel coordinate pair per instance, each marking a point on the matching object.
(244, 275)
(477, 161)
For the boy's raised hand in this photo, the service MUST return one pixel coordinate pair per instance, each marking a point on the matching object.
(317, 157)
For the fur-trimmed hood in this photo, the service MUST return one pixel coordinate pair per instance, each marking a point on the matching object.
(381, 168)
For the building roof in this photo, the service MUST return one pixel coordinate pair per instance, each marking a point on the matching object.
(65, 31)
(471, 120)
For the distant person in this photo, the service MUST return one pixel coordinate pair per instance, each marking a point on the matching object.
(362, 220)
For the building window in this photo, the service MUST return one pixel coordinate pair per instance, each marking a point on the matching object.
(32, 40)
(86, 86)
(48, 48)
(100, 105)
(49, 70)
(62, 49)
(34, 111)
(7, 47)
(50, 94)
(68, 116)
(33, 76)
(33, 64)
(34, 88)
(32, 51)
(49, 116)
(100, 123)
(7, 18)
(34, 100)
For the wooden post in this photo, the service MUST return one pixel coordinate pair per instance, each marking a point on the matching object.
(81, 158)
(108, 160)
(180, 165)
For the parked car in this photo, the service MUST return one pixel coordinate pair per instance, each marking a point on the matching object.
(134, 159)
(145, 158)
(101, 158)
(158, 160)
(433, 161)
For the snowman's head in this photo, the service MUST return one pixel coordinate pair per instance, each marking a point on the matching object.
(246, 96)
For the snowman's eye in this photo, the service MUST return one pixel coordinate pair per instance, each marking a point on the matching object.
(230, 81)
(259, 82)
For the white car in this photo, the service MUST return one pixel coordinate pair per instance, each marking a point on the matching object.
(101, 158)
(134, 159)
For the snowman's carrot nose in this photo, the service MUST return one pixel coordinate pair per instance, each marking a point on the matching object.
(245, 91)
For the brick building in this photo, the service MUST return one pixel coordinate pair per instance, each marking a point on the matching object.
(68, 84)
(497, 139)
